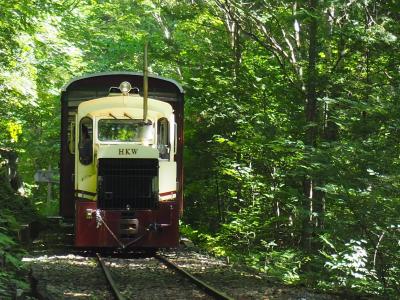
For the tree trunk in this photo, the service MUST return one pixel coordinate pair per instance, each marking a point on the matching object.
(311, 116)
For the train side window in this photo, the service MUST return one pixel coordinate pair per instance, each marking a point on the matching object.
(71, 137)
(163, 145)
(86, 141)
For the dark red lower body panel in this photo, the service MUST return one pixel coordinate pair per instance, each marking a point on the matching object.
(156, 228)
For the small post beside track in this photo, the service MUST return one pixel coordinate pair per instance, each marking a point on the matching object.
(109, 278)
(201, 284)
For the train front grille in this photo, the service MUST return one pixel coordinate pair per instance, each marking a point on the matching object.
(125, 184)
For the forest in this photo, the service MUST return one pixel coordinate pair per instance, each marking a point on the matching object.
(292, 124)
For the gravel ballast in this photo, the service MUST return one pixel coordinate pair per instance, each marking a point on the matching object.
(79, 277)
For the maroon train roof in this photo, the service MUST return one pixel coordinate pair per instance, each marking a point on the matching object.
(98, 85)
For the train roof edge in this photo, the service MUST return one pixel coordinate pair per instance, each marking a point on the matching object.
(97, 85)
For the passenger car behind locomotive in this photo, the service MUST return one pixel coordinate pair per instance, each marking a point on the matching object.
(121, 172)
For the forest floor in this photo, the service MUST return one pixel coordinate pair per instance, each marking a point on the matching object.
(72, 276)
(63, 273)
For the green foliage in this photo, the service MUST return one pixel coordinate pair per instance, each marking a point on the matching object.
(291, 132)
(10, 251)
(249, 156)
(349, 268)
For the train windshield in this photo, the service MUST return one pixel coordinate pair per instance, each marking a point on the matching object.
(115, 130)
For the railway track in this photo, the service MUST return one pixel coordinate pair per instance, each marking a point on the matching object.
(109, 278)
(206, 288)
(78, 276)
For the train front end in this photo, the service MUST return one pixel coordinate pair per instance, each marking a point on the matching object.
(127, 179)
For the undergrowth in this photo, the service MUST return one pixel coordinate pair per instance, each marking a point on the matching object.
(344, 272)
(15, 210)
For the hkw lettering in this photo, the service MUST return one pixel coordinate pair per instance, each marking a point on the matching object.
(127, 151)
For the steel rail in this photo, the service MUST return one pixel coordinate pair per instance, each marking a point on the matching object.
(201, 284)
(109, 278)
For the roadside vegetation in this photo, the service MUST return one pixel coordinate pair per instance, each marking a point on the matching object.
(292, 125)
(16, 211)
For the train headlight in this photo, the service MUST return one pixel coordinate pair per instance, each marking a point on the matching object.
(89, 214)
(125, 87)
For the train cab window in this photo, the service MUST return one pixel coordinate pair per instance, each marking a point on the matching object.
(121, 130)
(86, 141)
(163, 145)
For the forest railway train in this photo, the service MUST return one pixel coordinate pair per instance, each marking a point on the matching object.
(121, 171)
